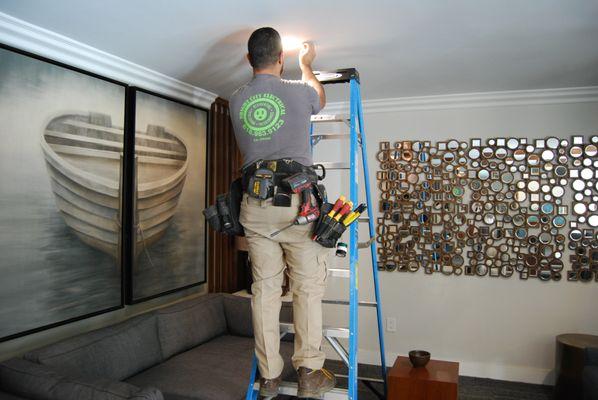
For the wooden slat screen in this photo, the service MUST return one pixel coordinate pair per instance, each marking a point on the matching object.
(224, 275)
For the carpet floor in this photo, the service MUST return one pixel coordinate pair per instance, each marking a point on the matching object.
(469, 388)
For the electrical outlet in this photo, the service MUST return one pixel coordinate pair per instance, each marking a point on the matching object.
(391, 324)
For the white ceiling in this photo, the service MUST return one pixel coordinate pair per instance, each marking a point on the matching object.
(401, 47)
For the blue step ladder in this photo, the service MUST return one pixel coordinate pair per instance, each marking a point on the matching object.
(357, 140)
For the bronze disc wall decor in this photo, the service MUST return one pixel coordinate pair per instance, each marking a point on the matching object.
(497, 208)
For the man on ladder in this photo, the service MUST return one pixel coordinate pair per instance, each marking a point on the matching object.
(271, 121)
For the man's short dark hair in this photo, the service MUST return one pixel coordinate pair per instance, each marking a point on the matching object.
(264, 47)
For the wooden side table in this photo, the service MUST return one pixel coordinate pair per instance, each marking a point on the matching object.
(438, 380)
(569, 364)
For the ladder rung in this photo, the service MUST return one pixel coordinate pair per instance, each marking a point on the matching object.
(363, 219)
(361, 378)
(329, 118)
(290, 389)
(326, 330)
(365, 245)
(339, 272)
(346, 303)
(334, 165)
(330, 136)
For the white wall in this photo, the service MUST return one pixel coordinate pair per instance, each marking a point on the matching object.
(495, 327)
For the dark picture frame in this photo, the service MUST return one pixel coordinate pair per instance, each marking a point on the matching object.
(131, 242)
(118, 250)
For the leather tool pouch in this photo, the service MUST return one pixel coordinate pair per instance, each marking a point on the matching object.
(224, 215)
(327, 231)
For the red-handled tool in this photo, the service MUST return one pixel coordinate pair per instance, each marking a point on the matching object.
(344, 211)
(307, 212)
(337, 206)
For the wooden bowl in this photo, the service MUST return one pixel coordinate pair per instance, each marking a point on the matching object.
(419, 358)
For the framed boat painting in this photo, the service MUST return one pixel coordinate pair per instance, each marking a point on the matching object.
(60, 199)
(170, 160)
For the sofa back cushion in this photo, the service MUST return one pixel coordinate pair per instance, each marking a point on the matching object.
(40, 382)
(238, 315)
(115, 352)
(190, 323)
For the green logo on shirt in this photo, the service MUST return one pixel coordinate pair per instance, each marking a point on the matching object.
(261, 115)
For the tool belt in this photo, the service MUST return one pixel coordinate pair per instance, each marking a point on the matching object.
(263, 180)
(278, 179)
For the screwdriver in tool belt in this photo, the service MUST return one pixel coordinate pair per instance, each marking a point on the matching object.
(326, 219)
(343, 211)
(354, 215)
(337, 206)
(329, 225)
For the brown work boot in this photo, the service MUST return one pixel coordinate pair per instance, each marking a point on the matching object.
(269, 388)
(314, 383)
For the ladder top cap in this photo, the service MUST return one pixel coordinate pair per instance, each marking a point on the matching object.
(343, 75)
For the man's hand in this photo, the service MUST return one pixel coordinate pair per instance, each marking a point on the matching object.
(307, 54)
(306, 57)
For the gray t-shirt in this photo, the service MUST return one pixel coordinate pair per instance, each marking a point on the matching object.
(271, 119)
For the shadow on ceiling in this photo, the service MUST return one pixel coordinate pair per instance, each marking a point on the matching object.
(223, 68)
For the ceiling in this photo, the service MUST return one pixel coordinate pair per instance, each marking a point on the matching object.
(401, 47)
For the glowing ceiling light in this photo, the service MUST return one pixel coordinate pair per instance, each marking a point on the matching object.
(291, 43)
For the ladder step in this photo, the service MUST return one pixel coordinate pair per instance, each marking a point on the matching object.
(330, 136)
(365, 245)
(290, 389)
(363, 219)
(339, 272)
(329, 118)
(326, 330)
(334, 165)
(343, 75)
(360, 378)
(346, 303)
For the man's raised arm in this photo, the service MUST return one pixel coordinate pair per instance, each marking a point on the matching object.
(306, 57)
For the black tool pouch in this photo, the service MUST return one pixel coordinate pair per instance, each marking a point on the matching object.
(328, 231)
(224, 215)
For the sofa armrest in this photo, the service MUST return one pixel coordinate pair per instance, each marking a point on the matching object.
(40, 382)
(592, 356)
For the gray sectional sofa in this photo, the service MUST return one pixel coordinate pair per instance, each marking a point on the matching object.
(200, 349)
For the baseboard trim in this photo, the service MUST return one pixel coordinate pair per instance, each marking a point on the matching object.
(502, 372)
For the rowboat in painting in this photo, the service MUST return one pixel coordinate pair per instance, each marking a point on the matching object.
(84, 154)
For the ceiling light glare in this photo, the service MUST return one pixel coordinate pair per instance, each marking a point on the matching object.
(291, 43)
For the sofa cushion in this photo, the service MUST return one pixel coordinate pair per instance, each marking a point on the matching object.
(238, 314)
(190, 323)
(28, 379)
(39, 382)
(8, 396)
(237, 310)
(115, 352)
(216, 370)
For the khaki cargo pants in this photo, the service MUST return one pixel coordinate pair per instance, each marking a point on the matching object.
(307, 272)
